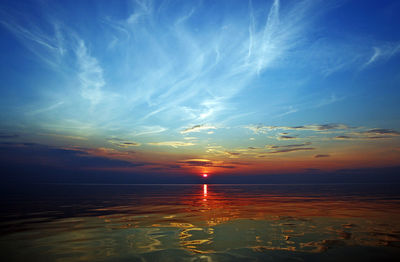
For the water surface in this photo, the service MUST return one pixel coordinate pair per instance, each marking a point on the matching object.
(200, 223)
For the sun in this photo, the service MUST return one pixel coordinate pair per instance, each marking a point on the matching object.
(205, 175)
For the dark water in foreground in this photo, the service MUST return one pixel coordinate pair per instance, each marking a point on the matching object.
(200, 223)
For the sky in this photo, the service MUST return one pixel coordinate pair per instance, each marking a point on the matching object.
(165, 91)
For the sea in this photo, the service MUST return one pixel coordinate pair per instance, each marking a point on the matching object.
(201, 222)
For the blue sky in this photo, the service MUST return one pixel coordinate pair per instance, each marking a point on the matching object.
(223, 83)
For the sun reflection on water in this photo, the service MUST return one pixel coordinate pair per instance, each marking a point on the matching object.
(205, 192)
(210, 220)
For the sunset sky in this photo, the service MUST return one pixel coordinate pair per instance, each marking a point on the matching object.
(175, 89)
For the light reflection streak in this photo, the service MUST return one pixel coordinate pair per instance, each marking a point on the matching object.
(205, 192)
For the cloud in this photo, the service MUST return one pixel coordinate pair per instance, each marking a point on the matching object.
(286, 137)
(90, 75)
(323, 127)
(65, 136)
(277, 149)
(270, 149)
(232, 154)
(371, 134)
(66, 158)
(205, 163)
(158, 65)
(266, 150)
(220, 151)
(168, 76)
(197, 162)
(353, 52)
(343, 137)
(288, 150)
(190, 138)
(193, 75)
(171, 143)
(127, 155)
(148, 130)
(287, 146)
(197, 128)
(123, 143)
(46, 109)
(382, 131)
(345, 132)
(321, 155)
(257, 129)
(104, 152)
(45, 46)
(127, 144)
(383, 52)
(226, 166)
(143, 9)
(374, 57)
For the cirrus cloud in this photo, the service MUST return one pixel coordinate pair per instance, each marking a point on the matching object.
(171, 143)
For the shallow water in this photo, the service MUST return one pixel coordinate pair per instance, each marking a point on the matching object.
(200, 223)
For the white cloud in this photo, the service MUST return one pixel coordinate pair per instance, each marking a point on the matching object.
(197, 128)
(90, 75)
(171, 143)
(383, 52)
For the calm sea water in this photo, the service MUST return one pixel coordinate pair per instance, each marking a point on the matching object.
(200, 223)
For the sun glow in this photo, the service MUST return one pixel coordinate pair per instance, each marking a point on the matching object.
(205, 175)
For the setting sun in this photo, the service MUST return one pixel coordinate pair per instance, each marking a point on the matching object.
(205, 175)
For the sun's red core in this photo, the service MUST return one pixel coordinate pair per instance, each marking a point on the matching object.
(205, 175)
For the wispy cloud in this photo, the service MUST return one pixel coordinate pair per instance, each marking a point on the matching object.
(66, 157)
(262, 129)
(47, 47)
(279, 149)
(123, 143)
(288, 150)
(266, 150)
(374, 57)
(232, 154)
(185, 70)
(148, 130)
(205, 163)
(46, 109)
(321, 155)
(383, 52)
(197, 128)
(197, 162)
(382, 131)
(190, 138)
(171, 143)
(174, 69)
(90, 75)
(342, 137)
(259, 129)
(69, 137)
(287, 146)
(371, 134)
(156, 72)
(322, 127)
(285, 137)
(62, 49)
